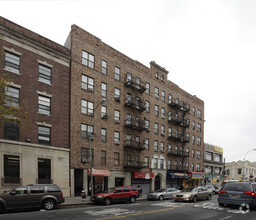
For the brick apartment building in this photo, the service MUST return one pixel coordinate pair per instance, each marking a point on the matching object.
(38, 68)
(144, 129)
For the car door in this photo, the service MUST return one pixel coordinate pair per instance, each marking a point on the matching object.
(18, 198)
(117, 194)
(200, 193)
(168, 194)
(36, 193)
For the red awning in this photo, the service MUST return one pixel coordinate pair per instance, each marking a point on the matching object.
(140, 175)
(98, 172)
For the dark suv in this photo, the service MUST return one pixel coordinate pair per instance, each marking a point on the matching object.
(116, 194)
(32, 196)
(237, 193)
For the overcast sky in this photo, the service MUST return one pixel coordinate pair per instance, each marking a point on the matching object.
(208, 47)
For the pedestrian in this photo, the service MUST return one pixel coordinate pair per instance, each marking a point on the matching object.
(140, 191)
(83, 194)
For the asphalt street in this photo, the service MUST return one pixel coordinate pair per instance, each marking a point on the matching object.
(166, 209)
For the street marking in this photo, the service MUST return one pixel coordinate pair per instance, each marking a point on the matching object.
(113, 211)
(169, 204)
(230, 216)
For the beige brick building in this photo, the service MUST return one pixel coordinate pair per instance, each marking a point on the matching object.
(150, 132)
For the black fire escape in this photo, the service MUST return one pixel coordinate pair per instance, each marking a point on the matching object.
(134, 123)
(180, 109)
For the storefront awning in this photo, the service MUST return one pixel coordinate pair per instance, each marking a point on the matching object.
(98, 172)
(141, 175)
(196, 175)
(176, 175)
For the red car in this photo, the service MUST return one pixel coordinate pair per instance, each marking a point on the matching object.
(117, 194)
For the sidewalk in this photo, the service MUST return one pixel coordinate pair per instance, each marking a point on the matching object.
(77, 200)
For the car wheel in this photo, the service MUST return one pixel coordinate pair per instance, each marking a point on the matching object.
(194, 199)
(133, 199)
(49, 204)
(209, 197)
(161, 198)
(221, 204)
(107, 201)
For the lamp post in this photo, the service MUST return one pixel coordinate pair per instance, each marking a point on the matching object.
(90, 144)
(244, 163)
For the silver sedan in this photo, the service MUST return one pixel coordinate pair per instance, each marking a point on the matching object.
(162, 194)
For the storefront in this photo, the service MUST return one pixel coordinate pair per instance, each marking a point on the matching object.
(143, 180)
(100, 179)
(175, 180)
(195, 179)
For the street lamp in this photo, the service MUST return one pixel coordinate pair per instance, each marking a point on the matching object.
(244, 163)
(90, 144)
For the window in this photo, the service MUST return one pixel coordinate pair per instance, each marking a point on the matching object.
(193, 124)
(117, 73)
(156, 92)
(198, 141)
(170, 99)
(156, 110)
(45, 74)
(12, 96)
(117, 116)
(156, 130)
(147, 105)
(103, 157)
(85, 153)
(199, 114)
(87, 83)
(146, 161)
(12, 62)
(239, 171)
(192, 167)
(147, 125)
(162, 130)
(86, 130)
(147, 85)
(104, 67)
(198, 154)
(194, 110)
(193, 139)
(169, 132)
(103, 134)
(162, 77)
(162, 146)
(208, 170)
(176, 165)
(169, 164)
(11, 169)
(137, 141)
(138, 83)
(161, 163)
(44, 135)
(87, 107)
(104, 89)
(44, 105)
(129, 159)
(88, 59)
(197, 167)
(156, 163)
(146, 144)
(187, 166)
(44, 171)
(163, 96)
(103, 112)
(117, 94)
(162, 113)
(193, 153)
(117, 137)
(198, 127)
(11, 131)
(128, 139)
(155, 145)
(217, 170)
(169, 148)
(217, 157)
(128, 119)
(208, 156)
(116, 159)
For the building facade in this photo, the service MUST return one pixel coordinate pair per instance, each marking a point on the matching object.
(142, 129)
(213, 164)
(35, 150)
(234, 170)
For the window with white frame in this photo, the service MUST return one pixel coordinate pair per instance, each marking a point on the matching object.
(163, 96)
(199, 114)
(198, 154)
(161, 163)
(147, 85)
(156, 110)
(169, 132)
(156, 128)
(169, 148)
(147, 105)
(162, 130)
(156, 92)
(103, 134)
(117, 73)
(12, 96)
(44, 105)
(44, 135)
(116, 158)
(104, 67)
(208, 170)
(170, 99)
(103, 113)
(208, 155)
(156, 163)
(197, 167)
(155, 145)
(217, 157)
(117, 137)
(169, 164)
(87, 107)
(147, 125)
(45, 74)
(198, 127)
(87, 83)
(162, 112)
(12, 62)
(88, 59)
(146, 162)
(162, 146)
(198, 141)
(117, 94)
(217, 170)
(104, 89)
(86, 130)
(193, 139)
(146, 144)
(117, 116)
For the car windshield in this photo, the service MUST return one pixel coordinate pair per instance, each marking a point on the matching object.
(160, 190)
(189, 190)
(109, 190)
(237, 187)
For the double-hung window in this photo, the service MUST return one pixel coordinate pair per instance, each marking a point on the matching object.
(103, 157)
(12, 96)
(117, 94)
(86, 130)
(87, 83)
(12, 62)
(44, 105)
(117, 116)
(104, 89)
(117, 73)
(11, 131)
(117, 137)
(116, 158)
(45, 74)
(44, 135)
(104, 67)
(88, 59)
(87, 107)
(103, 134)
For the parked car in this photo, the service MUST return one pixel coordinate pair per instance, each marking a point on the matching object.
(211, 188)
(193, 194)
(237, 193)
(116, 194)
(162, 194)
(31, 196)
(217, 189)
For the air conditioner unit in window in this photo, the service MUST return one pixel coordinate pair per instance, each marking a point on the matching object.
(90, 89)
(85, 160)
(104, 116)
(117, 98)
(90, 113)
(117, 142)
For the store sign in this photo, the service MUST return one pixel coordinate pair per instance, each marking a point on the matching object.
(140, 175)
